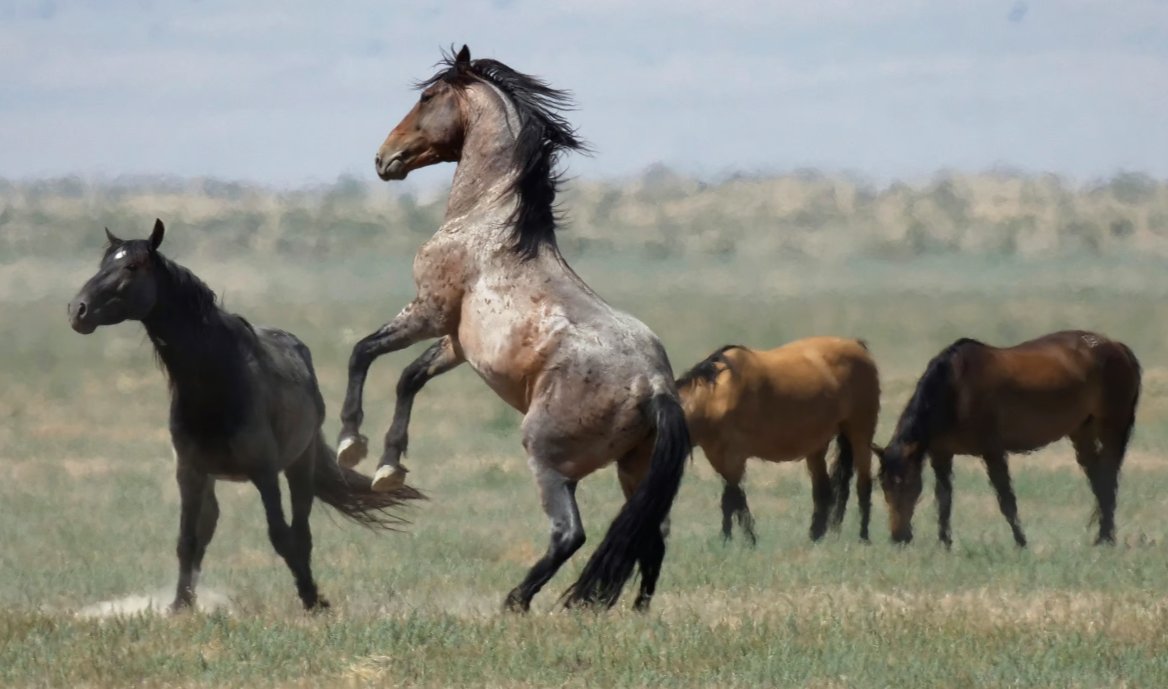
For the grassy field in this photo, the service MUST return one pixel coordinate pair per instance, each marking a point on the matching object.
(88, 507)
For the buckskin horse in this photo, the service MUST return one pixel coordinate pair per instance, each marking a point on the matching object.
(244, 406)
(594, 384)
(784, 405)
(974, 399)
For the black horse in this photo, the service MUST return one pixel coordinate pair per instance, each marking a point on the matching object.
(245, 405)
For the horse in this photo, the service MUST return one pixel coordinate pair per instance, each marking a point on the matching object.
(784, 405)
(594, 383)
(244, 406)
(975, 399)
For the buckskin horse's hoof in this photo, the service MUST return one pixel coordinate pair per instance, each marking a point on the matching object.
(389, 478)
(352, 450)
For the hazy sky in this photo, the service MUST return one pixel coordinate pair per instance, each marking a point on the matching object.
(291, 91)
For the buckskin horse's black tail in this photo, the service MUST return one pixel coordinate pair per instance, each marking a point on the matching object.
(637, 528)
(351, 493)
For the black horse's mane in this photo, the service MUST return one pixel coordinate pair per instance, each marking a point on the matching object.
(706, 371)
(202, 348)
(544, 135)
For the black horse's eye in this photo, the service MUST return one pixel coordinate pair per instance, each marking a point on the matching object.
(131, 267)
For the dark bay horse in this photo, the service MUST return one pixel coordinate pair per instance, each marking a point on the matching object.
(245, 406)
(974, 399)
(594, 383)
(784, 405)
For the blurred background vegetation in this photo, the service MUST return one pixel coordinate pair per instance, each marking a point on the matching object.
(805, 215)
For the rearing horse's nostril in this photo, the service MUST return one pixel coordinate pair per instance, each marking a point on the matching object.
(377, 161)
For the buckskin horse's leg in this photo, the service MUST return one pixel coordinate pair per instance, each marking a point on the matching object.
(410, 326)
(441, 357)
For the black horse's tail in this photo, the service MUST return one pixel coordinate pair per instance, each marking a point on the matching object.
(351, 493)
(841, 478)
(637, 528)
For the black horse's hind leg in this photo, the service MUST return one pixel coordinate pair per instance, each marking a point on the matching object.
(441, 357)
(268, 484)
(821, 492)
(410, 326)
(943, 471)
(1102, 471)
(300, 489)
(999, 472)
(197, 521)
(558, 496)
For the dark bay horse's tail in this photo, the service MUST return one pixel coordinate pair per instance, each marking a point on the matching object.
(637, 528)
(351, 493)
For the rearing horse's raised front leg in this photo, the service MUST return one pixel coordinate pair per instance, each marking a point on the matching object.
(441, 357)
(412, 325)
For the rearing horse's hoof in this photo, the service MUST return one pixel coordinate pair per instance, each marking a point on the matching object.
(351, 450)
(389, 478)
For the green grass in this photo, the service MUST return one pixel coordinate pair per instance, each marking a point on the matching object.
(88, 514)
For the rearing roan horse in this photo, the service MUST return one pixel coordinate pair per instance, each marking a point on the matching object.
(594, 383)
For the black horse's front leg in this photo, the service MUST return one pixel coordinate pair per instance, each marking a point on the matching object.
(410, 326)
(441, 357)
(193, 487)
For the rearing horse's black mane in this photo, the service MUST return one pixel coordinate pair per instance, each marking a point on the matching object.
(930, 409)
(543, 135)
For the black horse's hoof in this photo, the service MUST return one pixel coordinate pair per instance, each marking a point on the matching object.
(515, 603)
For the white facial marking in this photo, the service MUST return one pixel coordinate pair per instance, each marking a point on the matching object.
(121, 254)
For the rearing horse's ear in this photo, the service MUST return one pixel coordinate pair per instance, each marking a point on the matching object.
(111, 238)
(462, 60)
(156, 235)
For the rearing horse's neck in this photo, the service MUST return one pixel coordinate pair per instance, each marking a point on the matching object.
(484, 180)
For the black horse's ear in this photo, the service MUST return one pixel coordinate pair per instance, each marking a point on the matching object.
(878, 451)
(463, 57)
(111, 238)
(156, 235)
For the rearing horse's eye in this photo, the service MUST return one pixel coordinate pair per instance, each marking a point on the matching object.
(426, 97)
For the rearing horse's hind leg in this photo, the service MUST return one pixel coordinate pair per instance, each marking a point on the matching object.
(268, 484)
(999, 472)
(410, 326)
(631, 470)
(943, 471)
(558, 496)
(441, 357)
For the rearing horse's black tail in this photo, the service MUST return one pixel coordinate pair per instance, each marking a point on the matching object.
(351, 493)
(637, 528)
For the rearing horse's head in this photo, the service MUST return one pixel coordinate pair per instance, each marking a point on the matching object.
(901, 467)
(432, 132)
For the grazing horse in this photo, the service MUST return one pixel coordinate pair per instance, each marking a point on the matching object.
(783, 405)
(244, 406)
(594, 383)
(974, 399)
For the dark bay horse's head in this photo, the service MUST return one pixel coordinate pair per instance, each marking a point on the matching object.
(124, 287)
(432, 132)
(901, 467)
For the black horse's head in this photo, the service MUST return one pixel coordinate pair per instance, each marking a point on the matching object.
(124, 287)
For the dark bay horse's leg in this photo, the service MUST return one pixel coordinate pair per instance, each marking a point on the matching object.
(999, 472)
(412, 325)
(281, 536)
(1103, 474)
(943, 471)
(300, 489)
(441, 357)
(198, 517)
(821, 492)
(558, 496)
